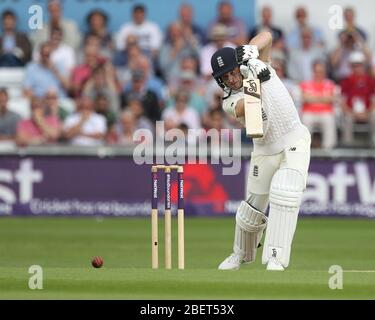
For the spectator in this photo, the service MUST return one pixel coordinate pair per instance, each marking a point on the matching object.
(351, 27)
(358, 98)
(236, 31)
(294, 37)
(217, 122)
(279, 64)
(42, 128)
(134, 105)
(301, 59)
(181, 112)
(218, 39)
(44, 75)
(173, 50)
(103, 83)
(15, 47)
(124, 57)
(83, 72)
(349, 42)
(126, 128)
(148, 33)
(190, 64)
(51, 101)
(150, 101)
(97, 25)
(62, 56)
(71, 34)
(318, 98)
(102, 106)
(191, 32)
(267, 25)
(85, 127)
(188, 81)
(8, 120)
(153, 82)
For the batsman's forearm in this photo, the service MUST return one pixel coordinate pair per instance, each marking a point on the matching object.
(263, 41)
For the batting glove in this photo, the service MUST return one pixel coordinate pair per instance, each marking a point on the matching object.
(259, 69)
(246, 52)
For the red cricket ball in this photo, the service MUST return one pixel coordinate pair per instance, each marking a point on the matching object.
(97, 262)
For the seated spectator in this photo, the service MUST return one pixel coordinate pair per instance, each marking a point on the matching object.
(42, 75)
(150, 101)
(130, 120)
(8, 120)
(181, 112)
(218, 39)
(51, 101)
(42, 128)
(97, 24)
(62, 56)
(188, 81)
(267, 25)
(123, 58)
(126, 128)
(351, 27)
(301, 59)
(85, 127)
(236, 30)
(134, 104)
(83, 72)
(187, 64)
(318, 97)
(103, 83)
(15, 47)
(216, 121)
(102, 107)
(358, 98)
(148, 33)
(191, 32)
(173, 50)
(294, 37)
(153, 82)
(279, 64)
(349, 42)
(71, 34)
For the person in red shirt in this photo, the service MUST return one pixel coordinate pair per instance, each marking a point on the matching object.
(358, 98)
(318, 97)
(84, 72)
(43, 127)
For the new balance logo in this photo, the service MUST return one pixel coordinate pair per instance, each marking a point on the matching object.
(274, 253)
(264, 115)
(255, 171)
(220, 61)
(293, 149)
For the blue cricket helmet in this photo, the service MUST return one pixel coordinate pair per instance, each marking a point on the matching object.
(223, 61)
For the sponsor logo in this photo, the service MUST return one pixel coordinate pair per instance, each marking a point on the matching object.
(293, 149)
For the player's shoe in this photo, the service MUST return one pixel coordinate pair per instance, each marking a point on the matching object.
(274, 265)
(233, 262)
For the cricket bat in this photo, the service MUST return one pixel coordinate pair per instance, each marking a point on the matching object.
(253, 108)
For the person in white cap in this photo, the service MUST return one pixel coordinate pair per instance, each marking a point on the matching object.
(358, 101)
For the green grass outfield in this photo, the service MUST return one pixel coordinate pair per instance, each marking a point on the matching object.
(64, 247)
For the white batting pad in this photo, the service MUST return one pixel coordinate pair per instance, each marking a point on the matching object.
(250, 224)
(285, 200)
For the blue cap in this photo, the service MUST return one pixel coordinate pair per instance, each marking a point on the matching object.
(223, 61)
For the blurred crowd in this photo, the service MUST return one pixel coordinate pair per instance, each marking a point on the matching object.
(123, 81)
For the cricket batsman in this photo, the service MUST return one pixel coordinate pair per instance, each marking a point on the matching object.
(279, 162)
